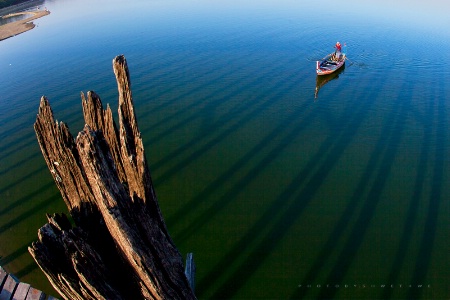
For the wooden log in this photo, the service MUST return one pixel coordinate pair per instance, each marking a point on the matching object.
(120, 247)
(74, 268)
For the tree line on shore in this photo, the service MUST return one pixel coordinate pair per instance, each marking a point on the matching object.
(6, 3)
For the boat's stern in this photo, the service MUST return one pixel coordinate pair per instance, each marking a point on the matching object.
(319, 71)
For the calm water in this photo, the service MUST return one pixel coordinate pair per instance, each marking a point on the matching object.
(279, 194)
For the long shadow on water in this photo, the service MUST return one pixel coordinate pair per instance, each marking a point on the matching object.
(24, 176)
(189, 145)
(166, 68)
(23, 200)
(245, 118)
(221, 72)
(162, 93)
(351, 208)
(232, 255)
(16, 254)
(429, 233)
(412, 213)
(240, 115)
(208, 102)
(26, 270)
(284, 211)
(236, 60)
(8, 149)
(20, 123)
(227, 290)
(340, 226)
(235, 168)
(23, 161)
(379, 166)
(23, 249)
(29, 212)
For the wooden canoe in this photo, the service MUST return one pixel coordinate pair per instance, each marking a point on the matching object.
(329, 65)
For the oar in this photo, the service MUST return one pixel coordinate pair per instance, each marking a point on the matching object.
(346, 57)
(350, 60)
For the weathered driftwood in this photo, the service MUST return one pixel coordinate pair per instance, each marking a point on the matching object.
(119, 247)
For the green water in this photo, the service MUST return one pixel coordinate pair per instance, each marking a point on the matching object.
(279, 195)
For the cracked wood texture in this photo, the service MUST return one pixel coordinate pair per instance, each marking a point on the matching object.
(119, 247)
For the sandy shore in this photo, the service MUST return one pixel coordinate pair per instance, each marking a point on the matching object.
(18, 27)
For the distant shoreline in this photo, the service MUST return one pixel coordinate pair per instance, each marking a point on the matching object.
(18, 27)
(20, 6)
(13, 5)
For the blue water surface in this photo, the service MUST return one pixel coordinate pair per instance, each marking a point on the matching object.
(282, 184)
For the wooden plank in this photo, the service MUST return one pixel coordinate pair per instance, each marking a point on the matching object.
(3, 276)
(34, 294)
(12, 289)
(21, 291)
(8, 288)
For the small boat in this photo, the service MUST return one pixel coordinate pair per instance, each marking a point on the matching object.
(330, 64)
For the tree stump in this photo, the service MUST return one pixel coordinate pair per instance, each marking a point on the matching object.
(119, 247)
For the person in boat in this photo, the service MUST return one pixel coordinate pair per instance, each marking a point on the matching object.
(337, 53)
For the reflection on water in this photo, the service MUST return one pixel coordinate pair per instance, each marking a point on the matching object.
(6, 20)
(324, 79)
(21, 7)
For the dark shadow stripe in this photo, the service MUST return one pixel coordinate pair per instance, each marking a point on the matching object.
(283, 212)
